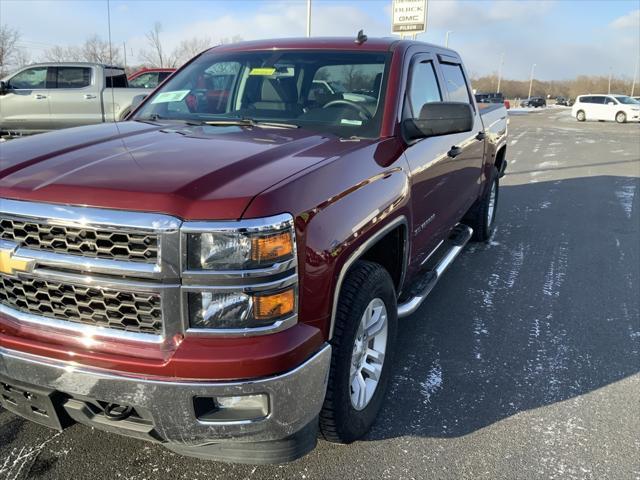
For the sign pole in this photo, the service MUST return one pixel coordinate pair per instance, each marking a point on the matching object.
(308, 18)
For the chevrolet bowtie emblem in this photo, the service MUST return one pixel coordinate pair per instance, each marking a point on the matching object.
(11, 262)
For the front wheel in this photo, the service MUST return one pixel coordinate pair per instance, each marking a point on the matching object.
(621, 117)
(363, 343)
(580, 116)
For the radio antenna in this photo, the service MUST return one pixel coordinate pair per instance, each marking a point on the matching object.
(113, 98)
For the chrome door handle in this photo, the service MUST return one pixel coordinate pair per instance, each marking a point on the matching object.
(88, 96)
(39, 96)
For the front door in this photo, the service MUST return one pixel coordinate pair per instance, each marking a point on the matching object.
(25, 106)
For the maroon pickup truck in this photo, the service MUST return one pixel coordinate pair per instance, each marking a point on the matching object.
(224, 272)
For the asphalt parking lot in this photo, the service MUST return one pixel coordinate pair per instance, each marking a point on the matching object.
(523, 363)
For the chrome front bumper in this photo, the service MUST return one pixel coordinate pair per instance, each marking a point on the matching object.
(167, 407)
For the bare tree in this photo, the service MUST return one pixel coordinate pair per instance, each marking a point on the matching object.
(188, 49)
(60, 53)
(9, 48)
(94, 49)
(155, 55)
(97, 50)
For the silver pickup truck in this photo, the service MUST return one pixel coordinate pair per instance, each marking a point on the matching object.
(50, 96)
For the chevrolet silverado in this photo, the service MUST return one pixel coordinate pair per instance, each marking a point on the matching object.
(224, 273)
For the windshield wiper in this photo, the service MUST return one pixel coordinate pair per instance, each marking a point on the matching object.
(247, 122)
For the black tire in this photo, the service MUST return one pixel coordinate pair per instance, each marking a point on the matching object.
(340, 422)
(478, 215)
(621, 117)
(581, 116)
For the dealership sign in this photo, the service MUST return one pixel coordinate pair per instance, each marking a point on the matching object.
(409, 16)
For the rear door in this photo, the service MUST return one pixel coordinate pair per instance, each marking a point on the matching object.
(74, 98)
(25, 106)
(467, 166)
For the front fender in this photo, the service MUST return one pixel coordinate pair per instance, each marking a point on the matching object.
(341, 205)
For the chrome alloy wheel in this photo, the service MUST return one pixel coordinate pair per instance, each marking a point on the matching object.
(491, 210)
(369, 349)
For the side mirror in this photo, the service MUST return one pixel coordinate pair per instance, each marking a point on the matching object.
(3, 88)
(137, 100)
(439, 118)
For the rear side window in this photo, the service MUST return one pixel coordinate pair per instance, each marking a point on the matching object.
(115, 78)
(72, 77)
(455, 83)
(30, 79)
(598, 100)
(423, 88)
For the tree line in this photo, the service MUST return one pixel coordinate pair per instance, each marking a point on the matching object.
(97, 50)
(554, 88)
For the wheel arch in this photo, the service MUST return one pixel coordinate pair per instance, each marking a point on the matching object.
(395, 233)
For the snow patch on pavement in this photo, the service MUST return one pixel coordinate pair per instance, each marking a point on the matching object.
(433, 383)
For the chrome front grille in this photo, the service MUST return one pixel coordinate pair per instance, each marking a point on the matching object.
(99, 307)
(64, 265)
(84, 241)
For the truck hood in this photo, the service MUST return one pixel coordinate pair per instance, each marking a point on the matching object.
(193, 172)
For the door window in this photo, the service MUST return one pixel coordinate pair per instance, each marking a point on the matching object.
(33, 78)
(598, 100)
(423, 87)
(72, 77)
(455, 83)
(146, 80)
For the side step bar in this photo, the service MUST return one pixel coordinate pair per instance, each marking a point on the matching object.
(461, 235)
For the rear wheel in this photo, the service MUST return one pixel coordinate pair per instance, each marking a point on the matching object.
(363, 343)
(580, 116)
(621, 117)
(482, 215)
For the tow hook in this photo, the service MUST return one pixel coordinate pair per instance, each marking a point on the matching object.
(117, 412)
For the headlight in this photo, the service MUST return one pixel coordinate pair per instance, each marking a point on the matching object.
(238, 250)
(223, 311)
(238, 276)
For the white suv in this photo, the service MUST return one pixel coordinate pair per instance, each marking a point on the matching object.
(620, 108)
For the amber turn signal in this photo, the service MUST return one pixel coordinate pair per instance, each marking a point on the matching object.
(268, 307)
(271, 247)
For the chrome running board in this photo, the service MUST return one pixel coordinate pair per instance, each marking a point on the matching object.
(460, 237)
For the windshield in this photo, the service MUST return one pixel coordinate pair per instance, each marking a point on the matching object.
(339, 92)
(626, 100)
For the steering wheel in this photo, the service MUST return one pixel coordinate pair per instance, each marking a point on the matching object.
(363, 112)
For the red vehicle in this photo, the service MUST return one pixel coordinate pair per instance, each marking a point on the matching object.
(149, 77)
(224, 272)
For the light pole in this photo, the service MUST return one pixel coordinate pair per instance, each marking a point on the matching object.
(500, 71)
(609, 88)
(531, 79)
(308, 18)
(635, 77)
(446, 38)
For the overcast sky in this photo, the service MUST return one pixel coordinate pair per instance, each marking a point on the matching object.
(564, 38)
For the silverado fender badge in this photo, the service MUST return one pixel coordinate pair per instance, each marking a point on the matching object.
(11, 262)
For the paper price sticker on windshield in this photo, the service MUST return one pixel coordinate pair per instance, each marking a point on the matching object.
(175, 96)
(266, 71)
(346, 121)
